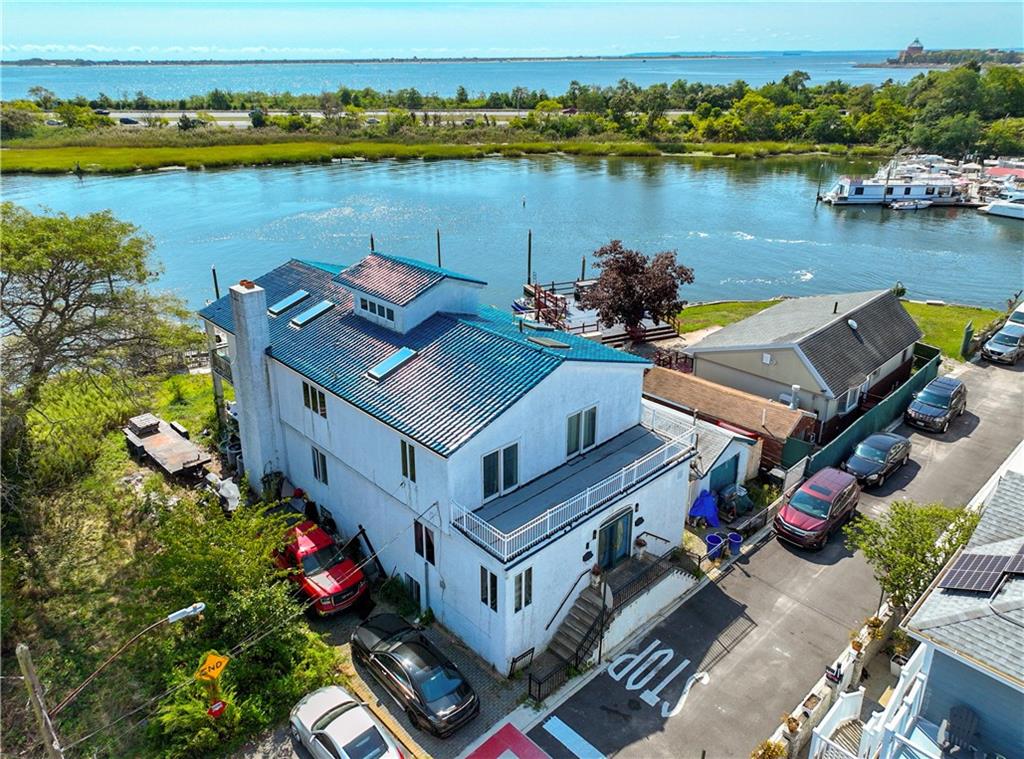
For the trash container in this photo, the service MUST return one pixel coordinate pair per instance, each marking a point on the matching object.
(715, 543)
(735, 542)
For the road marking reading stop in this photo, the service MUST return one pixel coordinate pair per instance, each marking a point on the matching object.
(642, 668)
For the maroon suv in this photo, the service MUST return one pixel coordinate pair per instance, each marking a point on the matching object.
(821, 505)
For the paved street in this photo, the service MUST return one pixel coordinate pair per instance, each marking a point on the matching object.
(766, 631)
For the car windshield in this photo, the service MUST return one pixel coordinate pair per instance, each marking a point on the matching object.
(1005, 338)
(933, 399)
(367, 745)
(1017, 317)
(808, 504)
(321, 561)
(328, 717)
(437, 682)
(865, 451)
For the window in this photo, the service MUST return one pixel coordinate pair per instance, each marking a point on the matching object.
(314, 399)
(581, 431)
(413, 587)
(929, 191)
(488, 589)
(858, 190)
(377, 309)
(501, 471)
(362, 304)
(524, 589)
(319, 466)
(424, 537)
(906, 190)
(408, 461)
(849, 401)
(390, 315)
(888, 191)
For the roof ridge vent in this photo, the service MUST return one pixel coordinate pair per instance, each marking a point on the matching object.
(383, 368)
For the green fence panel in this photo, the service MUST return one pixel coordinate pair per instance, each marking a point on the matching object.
(965, 345)
(874, 420)
(793, 450)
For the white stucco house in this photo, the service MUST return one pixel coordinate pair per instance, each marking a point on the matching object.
(492, 461)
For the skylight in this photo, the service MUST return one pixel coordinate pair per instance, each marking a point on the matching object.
(548, 342)
(287, 302)
(311, 313)
(392, 362)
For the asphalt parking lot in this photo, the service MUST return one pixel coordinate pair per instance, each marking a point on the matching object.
(765, 632)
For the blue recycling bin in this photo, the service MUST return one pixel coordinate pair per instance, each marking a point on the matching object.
(735, 543)
(715, 544)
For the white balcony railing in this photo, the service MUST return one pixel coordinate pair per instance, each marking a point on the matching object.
(508, 545)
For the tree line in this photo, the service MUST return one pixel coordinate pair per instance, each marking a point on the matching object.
(963, 110)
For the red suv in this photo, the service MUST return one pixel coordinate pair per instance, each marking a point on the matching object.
(316, 563)
(821, 505)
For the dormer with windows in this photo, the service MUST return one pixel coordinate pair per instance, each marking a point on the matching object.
(399, 293)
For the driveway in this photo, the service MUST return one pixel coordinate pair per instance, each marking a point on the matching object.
(766, 631)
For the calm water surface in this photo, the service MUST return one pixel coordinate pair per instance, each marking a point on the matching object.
(749, 228)
(176, 81)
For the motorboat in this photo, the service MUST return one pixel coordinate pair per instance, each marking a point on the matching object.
(1011, 208)
(909, 205)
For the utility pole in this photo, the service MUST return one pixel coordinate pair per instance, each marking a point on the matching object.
(35, 697)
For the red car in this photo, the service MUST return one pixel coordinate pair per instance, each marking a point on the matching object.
(821, 505)
(326, 577)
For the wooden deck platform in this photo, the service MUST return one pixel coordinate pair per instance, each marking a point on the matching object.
(149, 436)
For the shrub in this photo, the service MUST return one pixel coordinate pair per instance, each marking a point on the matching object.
(769, 750)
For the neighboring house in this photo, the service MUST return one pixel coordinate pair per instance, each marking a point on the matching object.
(768, 422)
(970, 625)
(491, 461)
(828, 354)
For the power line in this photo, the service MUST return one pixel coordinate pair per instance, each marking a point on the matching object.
(234, 653)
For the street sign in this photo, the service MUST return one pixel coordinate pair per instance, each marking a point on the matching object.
(216, 709)
(212, 667)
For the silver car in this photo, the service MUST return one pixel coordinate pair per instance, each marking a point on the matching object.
(332, 724)
(1005, 346)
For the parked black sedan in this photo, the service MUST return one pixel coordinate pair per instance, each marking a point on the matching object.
(876, 457)
(429, 687)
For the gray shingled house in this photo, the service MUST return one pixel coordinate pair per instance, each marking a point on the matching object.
(833, 355)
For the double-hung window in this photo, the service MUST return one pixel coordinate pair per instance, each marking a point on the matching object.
(524, 589)
(501, 471)
(849, 401)
(314, 399)
(424, 539)
(581, 431)
(488, 589)
(319, 466)
(408, 461)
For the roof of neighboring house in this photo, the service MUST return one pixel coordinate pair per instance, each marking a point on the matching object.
(819, 327)
(468, 368)
(395, 279)
(725, 403)
(985, 627)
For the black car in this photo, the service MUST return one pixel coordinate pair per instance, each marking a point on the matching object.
(431, 690)
(128, 121)
(935, 407)
(876, 457)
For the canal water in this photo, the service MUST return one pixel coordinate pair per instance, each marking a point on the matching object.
(749, 229)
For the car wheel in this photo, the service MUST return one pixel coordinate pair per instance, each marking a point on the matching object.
(294, 732)
(413, 718)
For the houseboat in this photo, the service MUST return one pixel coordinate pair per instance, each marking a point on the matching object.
(940, 190)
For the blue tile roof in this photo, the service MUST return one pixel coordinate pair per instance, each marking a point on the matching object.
(395, 279)
(468, 370)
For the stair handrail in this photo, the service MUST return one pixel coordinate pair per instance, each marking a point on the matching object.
(568, 593)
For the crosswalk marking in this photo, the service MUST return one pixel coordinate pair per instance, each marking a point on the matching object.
(572, 740)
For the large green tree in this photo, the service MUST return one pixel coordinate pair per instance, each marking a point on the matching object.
(909, 545)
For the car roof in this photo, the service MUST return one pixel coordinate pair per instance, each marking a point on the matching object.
(418, 654)
(1013, 329)
(307, 537)
(350, 725)
(944, 384)
(827, 482)
(316, 704)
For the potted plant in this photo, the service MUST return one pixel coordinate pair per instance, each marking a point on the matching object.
(769, 750)
(641, 547)
(595, 576)
(792, 723)
(900, 649)
(855, 642)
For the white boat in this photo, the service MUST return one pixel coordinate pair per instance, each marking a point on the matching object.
(909, 205)
(939, 190)
(1011, 208)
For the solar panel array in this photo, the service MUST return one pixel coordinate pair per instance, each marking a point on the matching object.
(1016, 563)
(975, 571)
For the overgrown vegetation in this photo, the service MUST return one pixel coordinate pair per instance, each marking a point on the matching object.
(909, 545)
(965, 110)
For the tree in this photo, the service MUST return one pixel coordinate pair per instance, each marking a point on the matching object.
(185, 123)
(258, 118)
(461, 96)
(908, 546)
(19, 118)
(633, 286)
(653, 101)
(44, 98)
(81, 116)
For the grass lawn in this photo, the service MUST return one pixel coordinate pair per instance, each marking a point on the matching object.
(943, 326)
(126, 158)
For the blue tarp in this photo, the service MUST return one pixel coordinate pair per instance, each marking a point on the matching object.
(706, 507)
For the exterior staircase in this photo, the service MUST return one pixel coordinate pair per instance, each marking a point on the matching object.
(570, 634)
(847, 737)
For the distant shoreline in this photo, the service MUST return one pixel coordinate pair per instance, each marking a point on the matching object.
(48, 62)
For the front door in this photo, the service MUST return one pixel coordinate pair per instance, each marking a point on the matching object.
(613, 541)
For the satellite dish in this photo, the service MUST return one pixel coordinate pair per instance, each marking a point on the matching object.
(852, 323)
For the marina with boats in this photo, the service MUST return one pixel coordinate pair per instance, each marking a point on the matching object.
(916, 182)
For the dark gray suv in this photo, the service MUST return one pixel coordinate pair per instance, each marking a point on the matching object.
(942, 400)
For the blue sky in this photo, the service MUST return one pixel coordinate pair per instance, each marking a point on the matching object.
(191, 30)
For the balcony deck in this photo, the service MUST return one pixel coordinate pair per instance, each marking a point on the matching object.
(509, 512)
